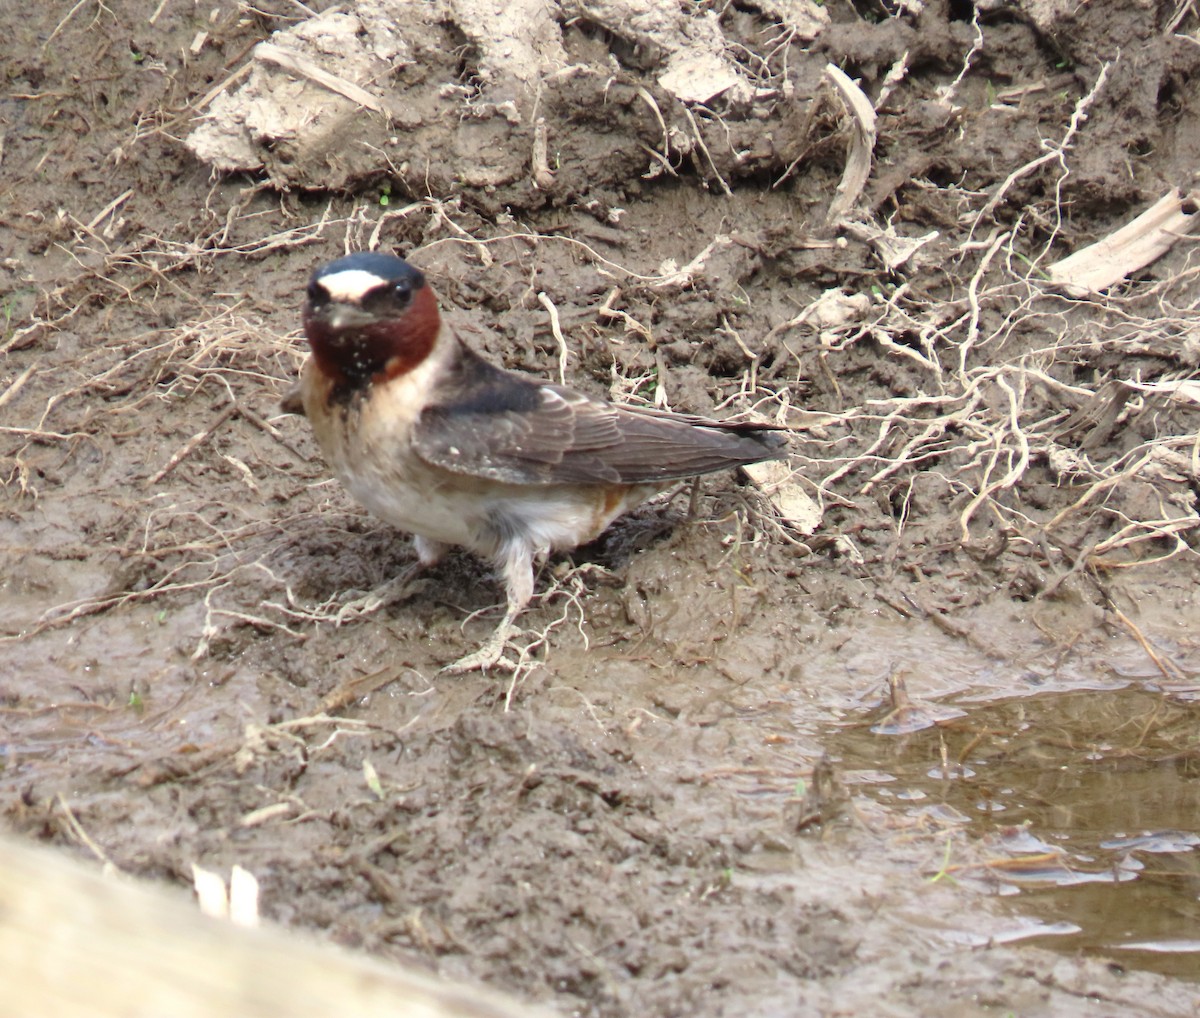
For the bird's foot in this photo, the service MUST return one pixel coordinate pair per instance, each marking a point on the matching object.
(490, 655)
(399, 588)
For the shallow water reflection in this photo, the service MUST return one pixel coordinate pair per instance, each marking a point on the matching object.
(1086, 808)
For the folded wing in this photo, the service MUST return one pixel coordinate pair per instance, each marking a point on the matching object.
(490, 423)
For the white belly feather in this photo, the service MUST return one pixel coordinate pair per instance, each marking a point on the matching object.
(367, 445)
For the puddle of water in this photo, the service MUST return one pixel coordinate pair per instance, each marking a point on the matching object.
(1085, 807)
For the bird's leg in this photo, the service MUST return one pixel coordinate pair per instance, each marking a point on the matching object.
(397, 588)
(516, 559)
(491, 654)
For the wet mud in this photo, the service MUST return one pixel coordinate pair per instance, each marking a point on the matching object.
(880, 764)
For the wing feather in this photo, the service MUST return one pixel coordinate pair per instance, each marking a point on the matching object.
(494, 424)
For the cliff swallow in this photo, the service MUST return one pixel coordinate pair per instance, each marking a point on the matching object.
(433, 439)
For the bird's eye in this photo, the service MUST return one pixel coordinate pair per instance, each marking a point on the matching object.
(402, 288)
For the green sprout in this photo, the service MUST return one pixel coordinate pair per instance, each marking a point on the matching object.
(944, 871)
(371, 777)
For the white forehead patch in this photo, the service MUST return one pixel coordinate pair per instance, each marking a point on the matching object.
(350, 284)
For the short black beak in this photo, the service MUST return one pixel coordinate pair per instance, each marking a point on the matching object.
(341, 317)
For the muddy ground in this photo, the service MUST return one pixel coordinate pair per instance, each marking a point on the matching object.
(657, 814)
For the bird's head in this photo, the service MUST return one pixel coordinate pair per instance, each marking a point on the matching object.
(369, 317)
